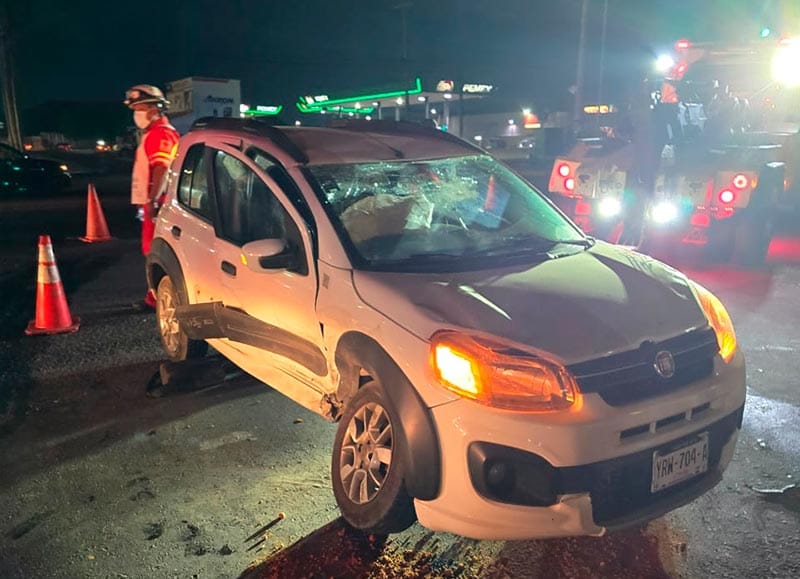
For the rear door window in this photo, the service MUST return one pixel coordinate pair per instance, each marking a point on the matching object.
(193, 190)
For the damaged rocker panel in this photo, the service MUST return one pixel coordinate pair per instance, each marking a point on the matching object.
(215, 320)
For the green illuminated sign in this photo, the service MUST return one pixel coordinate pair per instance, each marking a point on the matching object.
(334, 109)
(314, 105)
(264, 111)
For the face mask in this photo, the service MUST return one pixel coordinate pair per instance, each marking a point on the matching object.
(141, 119)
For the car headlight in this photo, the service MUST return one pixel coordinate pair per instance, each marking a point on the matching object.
(64, 168)
(718, 319)
(499, 375)
(664, 212)
(609, 207)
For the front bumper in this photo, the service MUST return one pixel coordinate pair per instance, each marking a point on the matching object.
(600, 475)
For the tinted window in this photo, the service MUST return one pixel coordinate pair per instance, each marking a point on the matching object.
(193, 183)
(248, 209)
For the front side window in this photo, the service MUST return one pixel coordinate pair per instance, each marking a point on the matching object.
(193, 183)
(248, 209)
(460, 211)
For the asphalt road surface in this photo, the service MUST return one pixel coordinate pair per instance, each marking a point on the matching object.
(99, 480)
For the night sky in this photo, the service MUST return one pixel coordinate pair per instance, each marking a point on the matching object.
(92, 50)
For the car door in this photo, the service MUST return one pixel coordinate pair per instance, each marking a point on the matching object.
(190, 230)
(273, 309)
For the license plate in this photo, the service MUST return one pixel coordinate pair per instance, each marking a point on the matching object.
(675, 466)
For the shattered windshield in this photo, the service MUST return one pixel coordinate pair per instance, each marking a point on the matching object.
(402, 213)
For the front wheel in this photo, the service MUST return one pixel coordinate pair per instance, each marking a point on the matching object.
(177, 345)
(368, 465)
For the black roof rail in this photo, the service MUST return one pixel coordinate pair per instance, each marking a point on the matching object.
(383, 126)
(255, 126)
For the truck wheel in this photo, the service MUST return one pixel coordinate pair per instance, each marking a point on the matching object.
(177, 345)
(368, 465)
(751, 242)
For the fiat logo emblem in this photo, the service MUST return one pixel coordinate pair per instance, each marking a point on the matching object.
(664, 364)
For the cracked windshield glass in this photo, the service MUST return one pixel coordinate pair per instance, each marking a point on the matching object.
(413, 212)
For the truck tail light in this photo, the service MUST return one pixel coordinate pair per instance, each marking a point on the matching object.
(569, 184)
(740, 181)
(727, 196)
(563, 170)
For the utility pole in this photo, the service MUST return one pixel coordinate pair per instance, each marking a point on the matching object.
(7, 79)
(403, 8)
(576, 113)
(602, 53)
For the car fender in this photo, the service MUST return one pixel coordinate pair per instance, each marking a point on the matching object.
(163, 257)
(356, 351)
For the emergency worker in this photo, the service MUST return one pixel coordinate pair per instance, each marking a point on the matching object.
(156, 150)
(647, 143)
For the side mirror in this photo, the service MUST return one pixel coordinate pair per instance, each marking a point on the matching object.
(268, 255)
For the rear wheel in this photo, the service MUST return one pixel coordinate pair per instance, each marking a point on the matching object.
(177, 345)
(368, 465)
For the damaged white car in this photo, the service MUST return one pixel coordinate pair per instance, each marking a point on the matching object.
(495, 373)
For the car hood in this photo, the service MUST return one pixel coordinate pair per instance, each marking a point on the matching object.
(593, 303)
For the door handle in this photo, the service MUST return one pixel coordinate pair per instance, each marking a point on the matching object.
(228, 268)
(175, 231)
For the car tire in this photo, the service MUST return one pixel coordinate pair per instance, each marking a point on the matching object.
(368, 465)
(177, 345)
(751, 242)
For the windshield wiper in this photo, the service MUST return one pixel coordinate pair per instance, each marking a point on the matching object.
(586, 242)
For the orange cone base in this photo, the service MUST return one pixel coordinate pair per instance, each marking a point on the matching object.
(95, 239)
(32, 330)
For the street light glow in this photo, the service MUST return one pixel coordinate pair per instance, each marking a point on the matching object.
(784, 63)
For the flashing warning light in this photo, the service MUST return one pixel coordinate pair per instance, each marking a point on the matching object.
(683, 44)
(727, 196)
(563, 170)
(740, 181)
(569, 184)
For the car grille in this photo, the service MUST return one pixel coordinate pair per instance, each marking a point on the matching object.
(621, 487)
(631, 376)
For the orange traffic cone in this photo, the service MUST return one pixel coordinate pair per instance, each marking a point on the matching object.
(96, 226)
(52, 312)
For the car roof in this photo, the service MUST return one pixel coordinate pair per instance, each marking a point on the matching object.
(357, 141)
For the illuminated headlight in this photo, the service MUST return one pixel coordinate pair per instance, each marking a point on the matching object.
(664, 212)
(499, 375)
(664, 62)
(784, 63)
(64, 168)
(718, 319)
(609, 207)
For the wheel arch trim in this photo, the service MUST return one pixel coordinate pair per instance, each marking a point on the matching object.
(356, 351)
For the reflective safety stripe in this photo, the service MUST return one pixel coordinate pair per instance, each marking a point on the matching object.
(48, 274)
(46, 254)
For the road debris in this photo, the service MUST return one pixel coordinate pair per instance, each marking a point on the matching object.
(788, 496)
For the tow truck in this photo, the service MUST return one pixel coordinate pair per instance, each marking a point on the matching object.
(720, 186)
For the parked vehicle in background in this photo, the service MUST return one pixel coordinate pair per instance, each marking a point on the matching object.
(24, 175)
(494, 372)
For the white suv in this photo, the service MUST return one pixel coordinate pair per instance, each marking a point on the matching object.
(494, 372)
